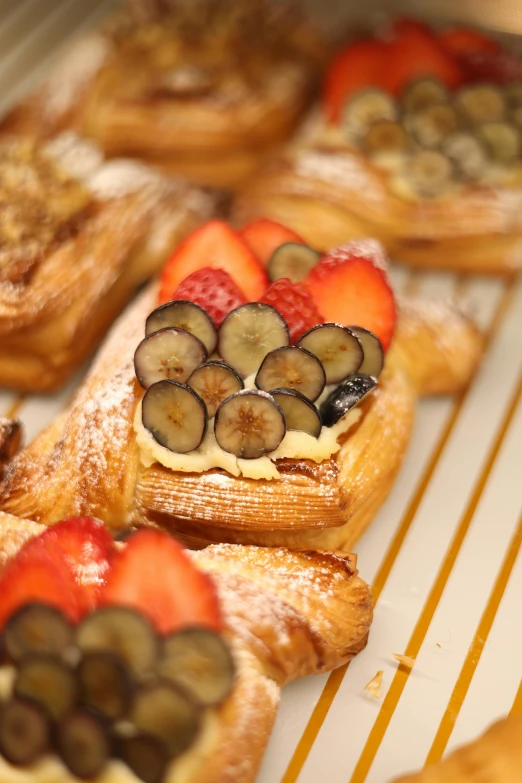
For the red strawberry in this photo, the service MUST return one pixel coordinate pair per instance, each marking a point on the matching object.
(498, 67)
(37, 575)
(264, 235)
(356, 68)
(416, 53)
(296, 305)
(350, 286)
(214, 245)
(465, 41)
(212, 289)
(154, 575)
(87, 547)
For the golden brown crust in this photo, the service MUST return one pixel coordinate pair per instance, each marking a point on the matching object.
(496, 757)
(88, 461)
(204, 89)
(331, 194)
(77, 237)
(287, 615)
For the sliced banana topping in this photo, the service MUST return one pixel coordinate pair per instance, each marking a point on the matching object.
(300, 414)
(431, 125)
(248, 333)
(422, 93)
(385, 136)
(175, 416)
(366, 108)
(249, 424)
(292, 367)
(481, 103)
(467, 153)
(429, 173)
(502, 141)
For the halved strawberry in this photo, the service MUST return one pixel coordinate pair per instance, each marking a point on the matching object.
(87, 547)
(264, 235)
(35, 574)
(350, 286)
(465, 40)
(154, 575)
(296, 304)
(356, 68)
(217, 246)
(415, 53)
(498, 67)
(212, 289)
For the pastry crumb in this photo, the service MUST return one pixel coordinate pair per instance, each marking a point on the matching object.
(374, 686)
(404, 660)
(437, 644)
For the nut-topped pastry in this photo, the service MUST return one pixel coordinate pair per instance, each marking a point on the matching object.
(77, 236)
(204, 89)
(139, 661)
(231, 408)
(418, 142)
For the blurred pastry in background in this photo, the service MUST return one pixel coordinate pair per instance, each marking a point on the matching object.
(203, 89)
(417, 142)
(78, 235)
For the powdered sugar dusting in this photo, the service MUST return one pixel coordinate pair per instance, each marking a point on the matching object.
(119, 178)
(345, 170)
(78, 157)
(366, 248)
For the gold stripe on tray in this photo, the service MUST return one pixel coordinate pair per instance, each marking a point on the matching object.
(516, 709)
(423, 623)
(335, 679)
(477, 646)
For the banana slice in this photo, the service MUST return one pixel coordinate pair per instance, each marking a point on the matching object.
(292, 367)
(467, 153)
(513, 93)
(175, 415)
(431, 125)
(429, 173)
(147, 756)
(162, 709)
(422, 93)
(385, 136)
(48, 681)
(481, 103)
(37, 628)
(249, 424)
(300, 414)
(502, 141)
(366, 108)
(83, 743)
(25, 731)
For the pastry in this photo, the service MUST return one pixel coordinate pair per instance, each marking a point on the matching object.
(321, 487)
(418, 143)
(202, 89)
(193, 697)
(496, 757)
(78, 235)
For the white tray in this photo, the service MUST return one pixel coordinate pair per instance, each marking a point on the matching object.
(443, 554)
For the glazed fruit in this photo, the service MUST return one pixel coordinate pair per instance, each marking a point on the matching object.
(296, 304)
(365, 109)
(373, 360)
(429, 173)
(47, 680)
(292, 261)
(36, 628)
(263, 236)
(481, 103)
(385, 136)
(213, 382)
(349, 286)
(217, 246)
(467, 154)
(105, 684)
(187, 316)
(337, 348)
(345, 397)
(164, 710)
(123, 631)
(248, 333)
(421, 93)
(502, 141)
(292, 367)
(431, 125)
(300, 414)
(170, 354)
(25, 732)
(175, 416)
(83, 743)
(249, 424)
(212, 289)
(200, 662)
(146, 756)
(133, 581)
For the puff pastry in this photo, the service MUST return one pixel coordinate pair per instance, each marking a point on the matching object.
(88, 460)
(202, 89)
(287, 615)
(78, 235)
(496, 757)
(330, 193)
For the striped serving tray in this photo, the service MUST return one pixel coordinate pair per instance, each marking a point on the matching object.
(443, 554)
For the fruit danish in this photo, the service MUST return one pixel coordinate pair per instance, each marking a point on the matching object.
(78, 235)
(496, 757)
(202, 89)
(247, 415)
(114, 675)
(418, 143)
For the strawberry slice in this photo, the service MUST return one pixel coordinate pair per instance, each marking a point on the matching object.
(355, 68)
(264, 235)
(498, 67)
(37, 575)
(212, 289)
(217, 246)
(154, 575)
(415, 53)
(296, 304)
(464, 41)
(349, 286)
(87, 547)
